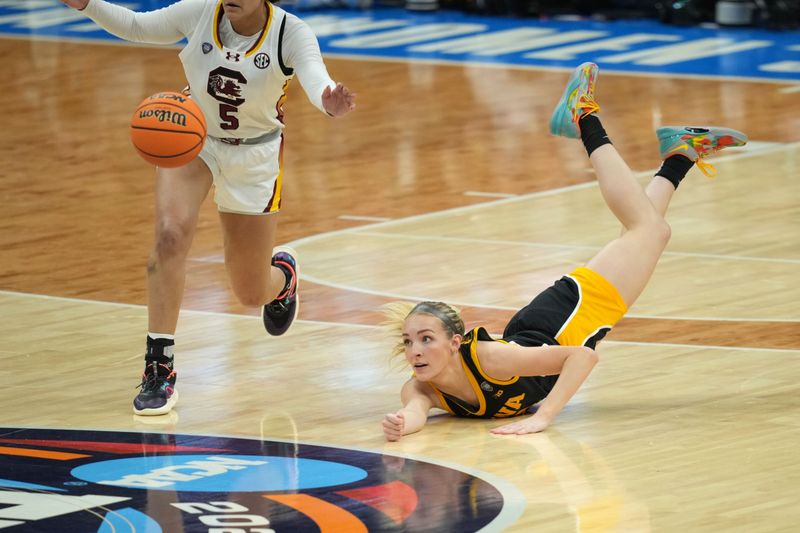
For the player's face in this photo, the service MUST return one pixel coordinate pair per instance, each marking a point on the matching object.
(428, 347)
(240, 10)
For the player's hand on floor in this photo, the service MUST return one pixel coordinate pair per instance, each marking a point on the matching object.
(393, 424)
(532, 424)
(338, 101)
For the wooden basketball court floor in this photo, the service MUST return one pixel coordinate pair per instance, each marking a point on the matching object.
(444, 184)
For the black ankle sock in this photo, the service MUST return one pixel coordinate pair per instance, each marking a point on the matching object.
(592, 133)
(675, 168)
(159, 350)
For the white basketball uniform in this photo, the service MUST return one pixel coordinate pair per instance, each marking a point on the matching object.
(241, 93)
(240, 84)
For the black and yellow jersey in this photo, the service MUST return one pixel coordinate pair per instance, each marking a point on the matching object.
(498, 398)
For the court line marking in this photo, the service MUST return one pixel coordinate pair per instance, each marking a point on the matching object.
(527, 196)
(407, 297)
(703, 346)
(763, 150)
(363, 218)
(424, 61)
(570, 246)
(489, 194)
(361, 326)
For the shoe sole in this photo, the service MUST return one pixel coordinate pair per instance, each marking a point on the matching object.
(166, 408)
(561, 111)
(718, 132)
(664, 132)
(291, 251)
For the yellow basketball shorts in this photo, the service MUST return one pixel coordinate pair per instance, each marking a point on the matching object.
(577, 310)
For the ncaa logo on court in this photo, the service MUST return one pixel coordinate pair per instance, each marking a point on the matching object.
(73, 480)
(261, 60)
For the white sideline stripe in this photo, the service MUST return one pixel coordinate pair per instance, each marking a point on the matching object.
(714, 318)
(704, 346)
(406, 297)
(363, 326)
(533, 244)
(399, 296)
(364, 218)
(254, 317)
(489, 194)
(443, 212)
(522, 197)
(570, 246)
(791, 89)
(144, 308)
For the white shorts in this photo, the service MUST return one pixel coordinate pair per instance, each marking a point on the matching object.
(247, 177)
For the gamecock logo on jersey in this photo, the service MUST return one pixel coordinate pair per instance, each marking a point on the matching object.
(224, 85)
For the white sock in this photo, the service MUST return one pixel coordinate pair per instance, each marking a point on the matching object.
(155, 336)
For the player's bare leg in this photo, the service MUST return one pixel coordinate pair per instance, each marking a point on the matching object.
(179, 193)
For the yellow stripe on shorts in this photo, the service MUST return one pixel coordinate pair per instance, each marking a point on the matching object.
(599, 307)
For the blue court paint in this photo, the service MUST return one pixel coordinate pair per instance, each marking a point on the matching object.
(146, 483)
(12, 484)
(219, 473)
(644, 46)
(128, 520)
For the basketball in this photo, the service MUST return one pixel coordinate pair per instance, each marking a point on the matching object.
(168, 129)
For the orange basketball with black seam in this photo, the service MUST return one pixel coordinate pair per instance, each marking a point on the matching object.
(168, 129)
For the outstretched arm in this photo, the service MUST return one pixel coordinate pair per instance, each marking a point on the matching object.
(301, 53)
(412, 417)
(572, 364)
(163, 26)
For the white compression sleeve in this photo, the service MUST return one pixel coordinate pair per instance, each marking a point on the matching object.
(163, 26)
(301, 52)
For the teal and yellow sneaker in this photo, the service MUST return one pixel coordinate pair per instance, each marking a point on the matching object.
(696, 142)
(577, 101)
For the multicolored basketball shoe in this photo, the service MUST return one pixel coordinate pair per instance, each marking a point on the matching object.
(279, 314)
(697, 142)
(577, 101)
(158, 395)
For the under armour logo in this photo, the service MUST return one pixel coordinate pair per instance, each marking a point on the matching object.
(232, 56)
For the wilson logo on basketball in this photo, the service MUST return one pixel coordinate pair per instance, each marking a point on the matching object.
(177, 97)
(168, 129)
(164, 115)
